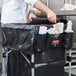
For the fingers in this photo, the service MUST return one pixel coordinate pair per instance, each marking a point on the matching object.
(52, 19)
(31, 16)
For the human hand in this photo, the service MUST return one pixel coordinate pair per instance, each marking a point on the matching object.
(51, 16)
(31, 16)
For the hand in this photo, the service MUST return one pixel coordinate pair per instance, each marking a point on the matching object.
(51, 16)
(31, 15)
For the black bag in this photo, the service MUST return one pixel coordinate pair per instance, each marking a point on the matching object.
(19, 39)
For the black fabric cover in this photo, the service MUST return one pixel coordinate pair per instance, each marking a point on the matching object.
(19, 39)
(28, 41)
(47, 41)
(17, 65)
(54, 69)
(50, 55)
(68, 43)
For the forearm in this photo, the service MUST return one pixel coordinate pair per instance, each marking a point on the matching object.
(50, 14)
(39, 5)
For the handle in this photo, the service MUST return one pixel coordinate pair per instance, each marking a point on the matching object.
(44, 20)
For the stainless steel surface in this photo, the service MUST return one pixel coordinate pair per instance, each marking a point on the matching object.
(63, 13)
(0, 10)
(66, 13)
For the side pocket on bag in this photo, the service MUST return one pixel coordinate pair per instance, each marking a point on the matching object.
(40, 42)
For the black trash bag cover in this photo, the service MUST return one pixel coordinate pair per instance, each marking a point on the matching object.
(20, 39)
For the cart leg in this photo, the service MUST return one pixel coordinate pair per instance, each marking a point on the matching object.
(70, 63)
(4, 62)
(5, 52)
(33, 69)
